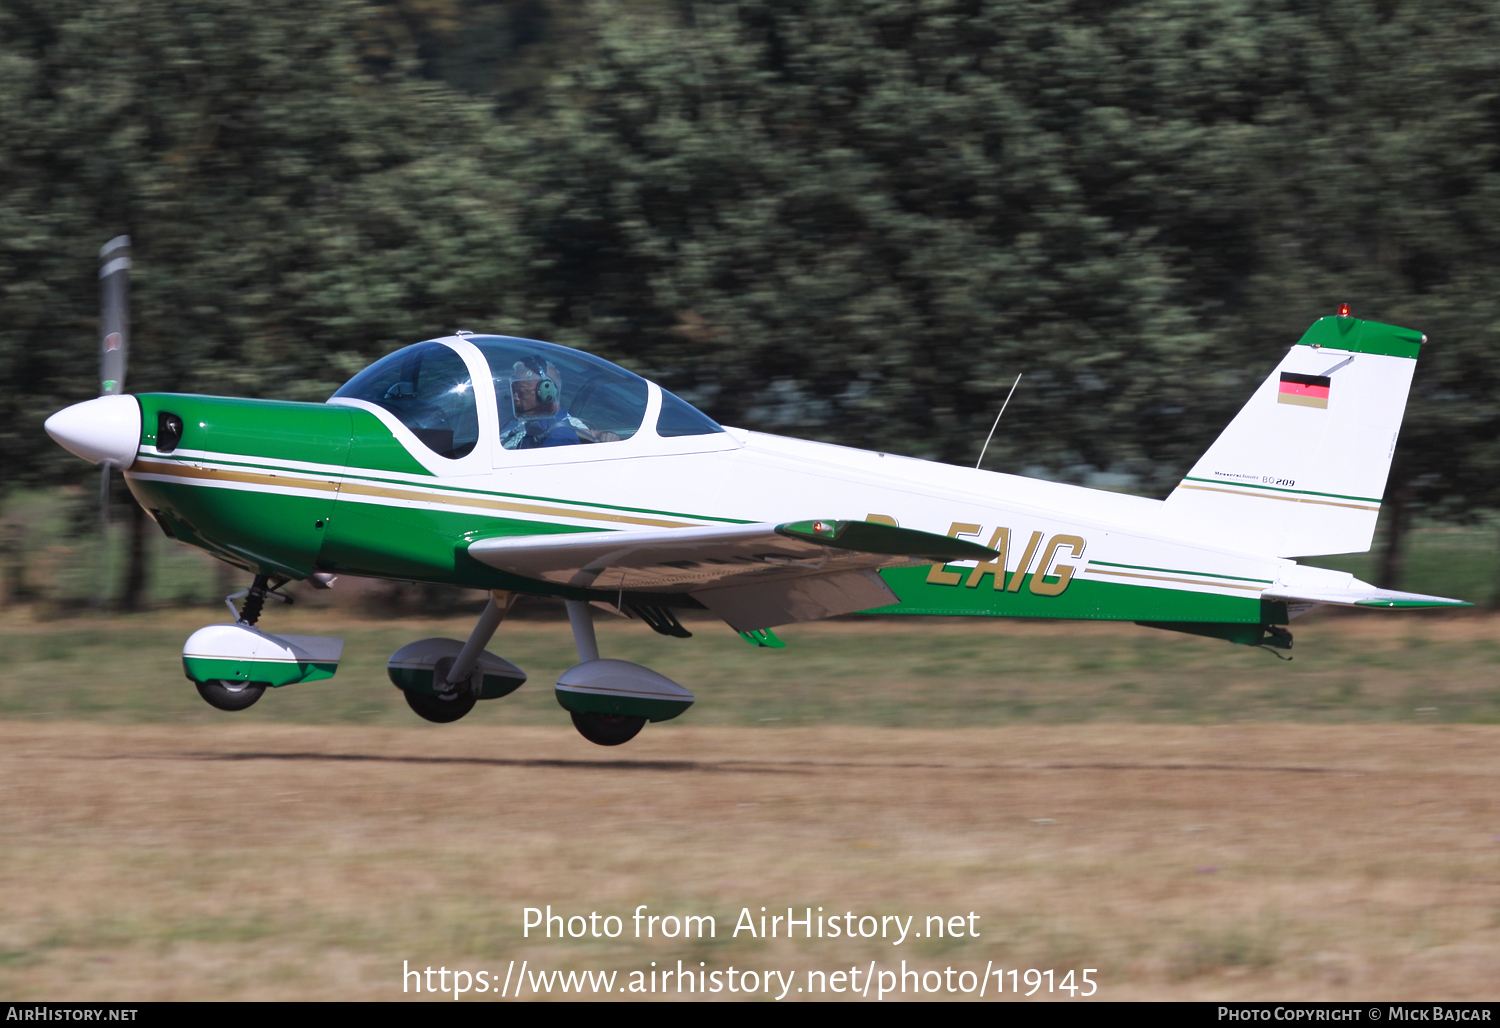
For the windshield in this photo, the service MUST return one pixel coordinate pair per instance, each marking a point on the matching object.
(427, 386)
(552, 396)
(678, 417)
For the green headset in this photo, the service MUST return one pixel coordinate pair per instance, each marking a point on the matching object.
(546, 389)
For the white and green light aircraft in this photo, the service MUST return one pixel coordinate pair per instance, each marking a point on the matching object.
(517, 466)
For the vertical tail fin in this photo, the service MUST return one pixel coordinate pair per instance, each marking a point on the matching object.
(1302, 467)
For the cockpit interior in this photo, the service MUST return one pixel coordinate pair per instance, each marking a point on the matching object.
(545, 395)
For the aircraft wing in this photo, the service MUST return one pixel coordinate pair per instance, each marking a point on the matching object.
(754, 576)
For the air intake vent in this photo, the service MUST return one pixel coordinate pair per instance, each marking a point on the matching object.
(168, 431)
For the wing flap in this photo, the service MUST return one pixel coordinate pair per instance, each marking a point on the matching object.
(778, 601)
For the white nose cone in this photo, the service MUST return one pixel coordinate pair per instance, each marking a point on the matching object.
(108, 428)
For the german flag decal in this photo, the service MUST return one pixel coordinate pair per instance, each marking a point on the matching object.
(1304, 390)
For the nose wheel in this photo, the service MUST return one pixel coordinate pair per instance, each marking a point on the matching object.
(229, 693)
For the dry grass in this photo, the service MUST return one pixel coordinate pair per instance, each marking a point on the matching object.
(295, 861)
(907, 673)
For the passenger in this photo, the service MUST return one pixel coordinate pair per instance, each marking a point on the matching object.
(540, 418)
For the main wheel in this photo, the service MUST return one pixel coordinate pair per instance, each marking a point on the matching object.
(607, 729)
(227, 694)
(441, 709)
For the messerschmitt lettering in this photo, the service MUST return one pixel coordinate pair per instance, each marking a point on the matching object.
(521, 467)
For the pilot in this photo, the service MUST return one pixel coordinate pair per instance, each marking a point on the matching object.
(540, 418)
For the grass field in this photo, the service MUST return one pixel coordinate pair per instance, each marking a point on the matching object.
(1194, 819)
(918, 673)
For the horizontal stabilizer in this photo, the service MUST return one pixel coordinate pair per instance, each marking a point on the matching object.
(1362, 594)
(1302, 586)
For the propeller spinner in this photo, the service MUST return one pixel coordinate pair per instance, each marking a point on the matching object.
(106, 430)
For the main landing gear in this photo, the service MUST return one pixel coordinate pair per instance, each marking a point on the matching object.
(602, 728)
(610, 701)
(442, 679)
(607, 729)
(228, 694)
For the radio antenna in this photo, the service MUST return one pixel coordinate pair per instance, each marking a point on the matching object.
(996, 425)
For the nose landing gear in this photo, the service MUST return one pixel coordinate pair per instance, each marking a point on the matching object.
(233, 665)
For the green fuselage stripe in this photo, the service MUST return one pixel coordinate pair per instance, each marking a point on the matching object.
(1279, 489)
(1178, 571)
(1082, 600)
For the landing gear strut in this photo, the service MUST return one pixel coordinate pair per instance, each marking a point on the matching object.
(255, 599)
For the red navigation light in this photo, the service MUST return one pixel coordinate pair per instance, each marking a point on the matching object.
(1343, 310)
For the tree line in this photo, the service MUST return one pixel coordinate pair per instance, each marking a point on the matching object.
(852, 220)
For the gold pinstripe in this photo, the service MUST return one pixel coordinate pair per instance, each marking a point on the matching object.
(292, 480)
(364, 489)
(1268, 496)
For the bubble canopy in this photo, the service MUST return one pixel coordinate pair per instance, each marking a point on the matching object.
(429, 390)
(547, 395)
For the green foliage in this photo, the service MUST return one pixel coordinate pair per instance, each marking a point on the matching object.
(1378, 183)
(504, 50)
(856, 220)
(293, 214)
(859, 220)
